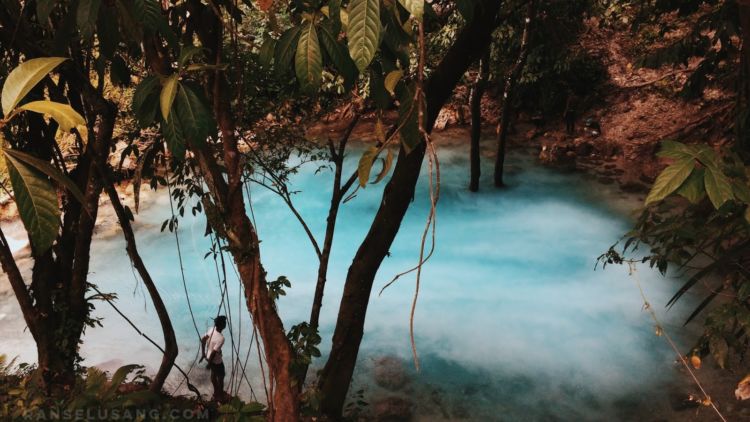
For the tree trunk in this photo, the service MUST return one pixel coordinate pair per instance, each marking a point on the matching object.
(507, 100)
(170, 341)
(476, 119)
(337, 373)
(226, 189)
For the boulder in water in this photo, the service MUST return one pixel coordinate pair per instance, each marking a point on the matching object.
(392, 409)
(389, 373)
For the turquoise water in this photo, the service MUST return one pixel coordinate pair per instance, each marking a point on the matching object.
(513, 323)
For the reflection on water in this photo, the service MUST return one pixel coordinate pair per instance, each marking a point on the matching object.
(513, 323)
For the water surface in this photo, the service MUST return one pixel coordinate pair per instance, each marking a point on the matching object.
(513, 323)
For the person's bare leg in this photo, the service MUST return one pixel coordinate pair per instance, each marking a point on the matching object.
(220, 384)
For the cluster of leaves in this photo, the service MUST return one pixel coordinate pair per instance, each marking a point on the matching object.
(556, 66)
(31, 177)
(21, 398)
(305, 341)
(698, 220)
(238, 411)
(276, 287)
(711, 36)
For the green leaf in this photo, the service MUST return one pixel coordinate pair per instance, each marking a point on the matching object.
(308, 61)
(37, 203)
(146, 101)
(741, 191)
(285, 49)
(194, 116)
(86, 15)
(265, 56)
(693, 189)
(391, 80)
(64, 115)
(23, 78)
(168, 92)
(407, 118)
(363, 31)
(172, 132)
(43, 10)
(334, 14)
(365, 165)
(670, 180)
(378, 93)
(387, 163)
(339, 56)
(676, 150)
(718, 187)
(118, 378)
(49, 170)
(197, 67)
(415, 7)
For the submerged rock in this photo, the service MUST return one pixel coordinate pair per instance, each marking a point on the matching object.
(389, 373)
(392, 409)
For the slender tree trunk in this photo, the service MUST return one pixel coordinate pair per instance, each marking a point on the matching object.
(510, 86)
(476, 119)
(336, 197)
(337, 374)
(170, 341)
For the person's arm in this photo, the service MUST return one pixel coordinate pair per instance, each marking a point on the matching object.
(203, 347)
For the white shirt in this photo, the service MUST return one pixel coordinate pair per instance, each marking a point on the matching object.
(214, 341)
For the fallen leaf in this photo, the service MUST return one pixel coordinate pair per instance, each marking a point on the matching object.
(695, 361)
(743, 389)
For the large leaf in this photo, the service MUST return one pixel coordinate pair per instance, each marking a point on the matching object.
(285, 49)
(37, 203)
(693, 189)
(49, 170)
(193, 115)
(172, 132)
(718, 186)
(365, 165)
(391, 79)
(63, 114)
(265, 55)
(23, 78)
(415, 7)
(86, 16)
(117, 379)
(670, 180)
(363, 31)
(308, 61)
(168, 92)
(339, 56)
(387, 164)
(146, 101)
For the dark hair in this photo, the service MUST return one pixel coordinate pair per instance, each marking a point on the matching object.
(220, 322)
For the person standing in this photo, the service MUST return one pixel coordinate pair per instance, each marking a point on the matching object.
(211, 344)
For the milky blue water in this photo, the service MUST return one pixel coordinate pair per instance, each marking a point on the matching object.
(512, 323)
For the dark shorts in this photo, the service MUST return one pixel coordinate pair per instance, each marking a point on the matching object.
(217, 368)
